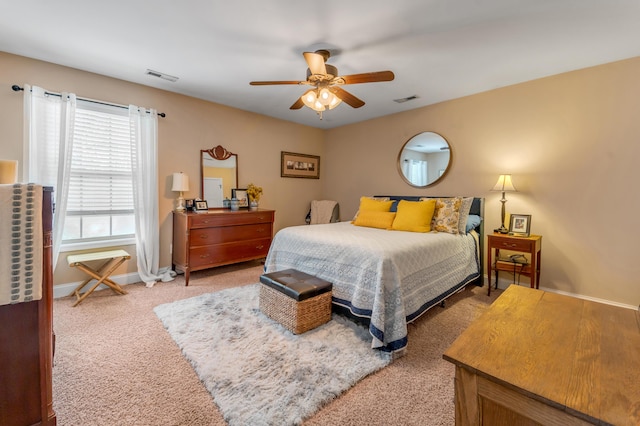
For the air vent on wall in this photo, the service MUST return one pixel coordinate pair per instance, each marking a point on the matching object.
(162, 75)
(408, 98)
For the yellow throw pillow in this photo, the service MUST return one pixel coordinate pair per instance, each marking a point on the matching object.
(378, 205)
(414, 216)
(374, 219)
(373, 204)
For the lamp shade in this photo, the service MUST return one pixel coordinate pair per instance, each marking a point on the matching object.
(180, 182)
(8, 171)
(504, 184)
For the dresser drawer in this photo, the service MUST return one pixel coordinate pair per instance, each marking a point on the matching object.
(227, 234)
(512, 244)
(206, 220)
(221, 254)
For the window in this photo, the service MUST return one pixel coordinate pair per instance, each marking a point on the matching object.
(100, 200)
(416, 171)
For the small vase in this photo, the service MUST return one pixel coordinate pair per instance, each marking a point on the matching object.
(234, 204)
(253, 205)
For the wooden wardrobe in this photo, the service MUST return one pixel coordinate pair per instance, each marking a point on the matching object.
(26, 346)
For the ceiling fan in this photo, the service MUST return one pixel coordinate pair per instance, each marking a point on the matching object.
(326, 92)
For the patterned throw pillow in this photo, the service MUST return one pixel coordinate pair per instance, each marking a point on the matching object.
(465, 208)
(447, 215)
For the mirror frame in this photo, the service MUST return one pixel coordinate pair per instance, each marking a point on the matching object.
(439, 178)
(216, 153)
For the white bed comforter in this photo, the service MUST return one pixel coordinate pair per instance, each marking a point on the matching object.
(391, 277)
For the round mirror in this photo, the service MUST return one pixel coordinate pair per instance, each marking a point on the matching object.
(424, 159)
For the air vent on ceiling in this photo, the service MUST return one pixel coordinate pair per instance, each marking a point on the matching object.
(162, 75)
(408, 98)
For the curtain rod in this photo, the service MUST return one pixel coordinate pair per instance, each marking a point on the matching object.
(17, 88)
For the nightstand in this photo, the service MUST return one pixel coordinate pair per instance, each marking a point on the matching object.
(531, 245)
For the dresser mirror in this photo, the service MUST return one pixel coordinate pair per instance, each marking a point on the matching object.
(219, 174)
(424, 159)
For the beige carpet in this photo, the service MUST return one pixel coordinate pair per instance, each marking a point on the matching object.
(115, 364)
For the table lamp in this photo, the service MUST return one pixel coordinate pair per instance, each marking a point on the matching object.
(180, 184)
(504, 184)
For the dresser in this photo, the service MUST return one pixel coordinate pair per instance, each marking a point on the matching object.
(220, 237)
(26, 346)
(540, 358)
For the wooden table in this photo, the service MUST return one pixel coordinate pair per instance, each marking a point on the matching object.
(531, 245)
(536, 357)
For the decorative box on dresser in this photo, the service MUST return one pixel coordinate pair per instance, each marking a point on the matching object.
(27, 345)
(220, 237)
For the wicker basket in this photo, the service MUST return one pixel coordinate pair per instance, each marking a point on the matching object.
(297, 317)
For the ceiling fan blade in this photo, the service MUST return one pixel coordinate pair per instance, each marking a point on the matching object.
(315, 61)
(367, 77)
(297, 104)
(266, 83)
(347, 97)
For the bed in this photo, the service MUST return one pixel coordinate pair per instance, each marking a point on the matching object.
(386, 278)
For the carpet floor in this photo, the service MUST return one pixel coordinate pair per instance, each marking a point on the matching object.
(115, 364)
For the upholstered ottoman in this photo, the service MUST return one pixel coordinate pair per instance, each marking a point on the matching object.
(298, 301)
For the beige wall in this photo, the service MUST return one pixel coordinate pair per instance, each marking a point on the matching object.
(571, 142)
(190, 125)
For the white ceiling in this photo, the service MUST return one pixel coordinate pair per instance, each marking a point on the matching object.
(438, 49)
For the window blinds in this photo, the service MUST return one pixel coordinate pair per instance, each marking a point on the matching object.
(100, 177)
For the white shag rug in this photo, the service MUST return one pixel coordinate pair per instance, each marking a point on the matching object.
(257, 371)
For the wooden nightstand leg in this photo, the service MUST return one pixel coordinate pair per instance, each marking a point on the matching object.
(497, 273)
(538, 268)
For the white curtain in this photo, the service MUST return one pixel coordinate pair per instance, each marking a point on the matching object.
(48, 127)
(416, 171)
(144, 161)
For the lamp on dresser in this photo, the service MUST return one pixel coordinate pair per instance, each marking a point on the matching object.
(504, 184)
(180, 184)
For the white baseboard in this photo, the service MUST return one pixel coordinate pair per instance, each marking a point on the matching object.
(503, 284)
(63, 290)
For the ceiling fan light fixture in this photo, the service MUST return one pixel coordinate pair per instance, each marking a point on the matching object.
(320, 99)
(312, 100)
(309, 98)
(335, 101)
(325, 96)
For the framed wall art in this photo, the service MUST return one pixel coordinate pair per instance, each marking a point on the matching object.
(299, 165)
(519, 225)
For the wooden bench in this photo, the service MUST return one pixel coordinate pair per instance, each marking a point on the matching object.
(112, 258)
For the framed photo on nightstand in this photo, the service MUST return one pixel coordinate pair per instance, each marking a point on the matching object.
(520, 225)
